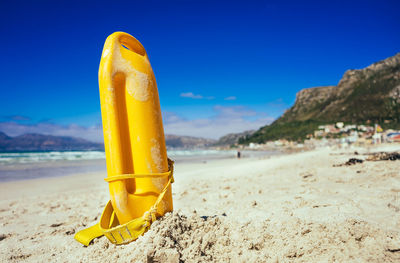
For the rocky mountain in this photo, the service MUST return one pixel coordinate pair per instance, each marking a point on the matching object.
(40, 142)
(369, 95)
(232, 138)
(175, 141)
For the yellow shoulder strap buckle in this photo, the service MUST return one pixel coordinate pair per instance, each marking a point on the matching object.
(109, 225)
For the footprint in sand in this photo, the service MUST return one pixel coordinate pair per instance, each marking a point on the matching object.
(4, 236)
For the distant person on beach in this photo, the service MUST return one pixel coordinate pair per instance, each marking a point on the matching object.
(238, 154)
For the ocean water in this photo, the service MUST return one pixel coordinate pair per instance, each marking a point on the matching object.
(30, 165)
(39, 157)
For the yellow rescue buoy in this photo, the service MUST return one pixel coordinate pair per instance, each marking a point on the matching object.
(139, 172)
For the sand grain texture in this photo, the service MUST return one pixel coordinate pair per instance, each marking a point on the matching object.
(291, 208)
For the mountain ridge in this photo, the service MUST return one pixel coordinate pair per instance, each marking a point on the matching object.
(41, 142)
(368, 95)
(232, 138)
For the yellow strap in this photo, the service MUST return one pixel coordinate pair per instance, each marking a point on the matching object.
(132, 176)
(130, 231)
(85, 236)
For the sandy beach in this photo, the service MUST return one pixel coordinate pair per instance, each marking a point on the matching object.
(287, 208)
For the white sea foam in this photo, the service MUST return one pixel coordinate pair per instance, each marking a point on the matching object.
(38, 157)
(35, 157)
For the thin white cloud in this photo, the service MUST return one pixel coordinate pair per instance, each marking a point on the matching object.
(16, 118)
(230, 98)
(191, 95)
(226, 120)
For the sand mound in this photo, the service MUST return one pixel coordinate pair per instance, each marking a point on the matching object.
(178, 238)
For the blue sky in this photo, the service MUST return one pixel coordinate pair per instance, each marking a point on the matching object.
(220, 66)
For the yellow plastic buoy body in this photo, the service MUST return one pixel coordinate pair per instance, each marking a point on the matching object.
(132, 125)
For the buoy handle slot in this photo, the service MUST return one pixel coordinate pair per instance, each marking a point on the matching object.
(132, 44)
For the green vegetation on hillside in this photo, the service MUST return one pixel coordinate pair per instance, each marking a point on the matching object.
(293, 131)
(369, 99)
(366, 96)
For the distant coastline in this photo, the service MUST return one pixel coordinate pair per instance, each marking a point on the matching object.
(40, 142)
(32, 165)
(48, 143)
